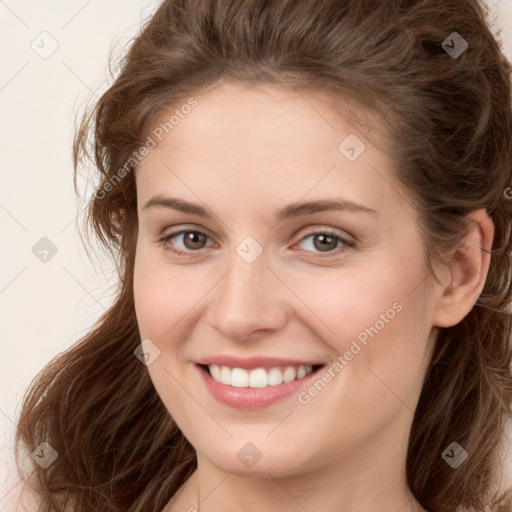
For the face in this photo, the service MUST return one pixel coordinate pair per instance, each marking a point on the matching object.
(280, 278)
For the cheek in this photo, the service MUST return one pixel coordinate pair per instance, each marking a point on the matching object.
(162, 299)
(380, 324)
(163, 295)
(361, 302)
(376, 319)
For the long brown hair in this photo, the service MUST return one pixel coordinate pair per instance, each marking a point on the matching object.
(448, 111)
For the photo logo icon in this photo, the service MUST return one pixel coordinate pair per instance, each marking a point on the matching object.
(147, 352)
(249, 249)
(44, 455)
(44, 250)
(249, 455)
(454, 455)
(45, 45)
(454, 45)
(351, 147)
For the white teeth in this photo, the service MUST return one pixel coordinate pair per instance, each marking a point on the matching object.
(259, 377)
(225, 375)
(215, 371)
(301, 372)
(289, 374)
(274, 377)
(239, 377)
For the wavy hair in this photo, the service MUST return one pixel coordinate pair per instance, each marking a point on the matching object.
(449, 120)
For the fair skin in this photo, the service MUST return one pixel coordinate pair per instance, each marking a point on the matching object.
(244, 153)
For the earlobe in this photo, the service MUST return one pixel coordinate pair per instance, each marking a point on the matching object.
(467, 271)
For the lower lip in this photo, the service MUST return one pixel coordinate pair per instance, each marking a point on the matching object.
(253, 398)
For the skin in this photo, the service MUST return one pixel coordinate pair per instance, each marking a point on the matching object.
(244, 152)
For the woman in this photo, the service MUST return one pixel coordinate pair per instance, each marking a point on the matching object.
(309, 206)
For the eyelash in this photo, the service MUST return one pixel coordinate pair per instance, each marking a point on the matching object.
(348, 244)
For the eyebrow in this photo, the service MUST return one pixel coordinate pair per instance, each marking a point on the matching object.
(288, 212)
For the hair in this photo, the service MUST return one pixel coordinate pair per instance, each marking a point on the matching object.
(449, 122)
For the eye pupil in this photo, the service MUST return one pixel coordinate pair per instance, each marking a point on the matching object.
(331, 242)
(193, 236)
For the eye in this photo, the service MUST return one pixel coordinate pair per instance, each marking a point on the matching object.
(192, 240)
(326, 242)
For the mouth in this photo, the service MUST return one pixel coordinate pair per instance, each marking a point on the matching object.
(256, 386)
(258, 377)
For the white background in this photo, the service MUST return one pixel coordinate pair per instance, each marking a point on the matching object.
(45, 307)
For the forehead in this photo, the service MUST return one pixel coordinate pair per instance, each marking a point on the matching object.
(229, 105)
(268, 141)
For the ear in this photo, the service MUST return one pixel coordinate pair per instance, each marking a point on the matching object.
(467, 271)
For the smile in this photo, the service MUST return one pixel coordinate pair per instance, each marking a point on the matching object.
(257, 382)
(258, 377)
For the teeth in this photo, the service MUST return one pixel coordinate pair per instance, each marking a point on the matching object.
(289, 374)
(274, 377)
(239, 378)
(259, 377)
(225, 375)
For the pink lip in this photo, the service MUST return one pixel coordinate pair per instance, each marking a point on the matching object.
(250, 363)
(254, 398)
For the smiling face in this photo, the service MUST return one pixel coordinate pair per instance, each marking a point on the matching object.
(340, 288)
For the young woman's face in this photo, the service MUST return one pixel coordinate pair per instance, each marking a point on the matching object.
(298, 254)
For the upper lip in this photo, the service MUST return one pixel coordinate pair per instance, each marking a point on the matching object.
(250, 363)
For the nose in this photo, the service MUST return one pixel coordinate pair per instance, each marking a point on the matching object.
(249, 302)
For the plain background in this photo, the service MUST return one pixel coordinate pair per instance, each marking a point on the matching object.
(47, 306)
